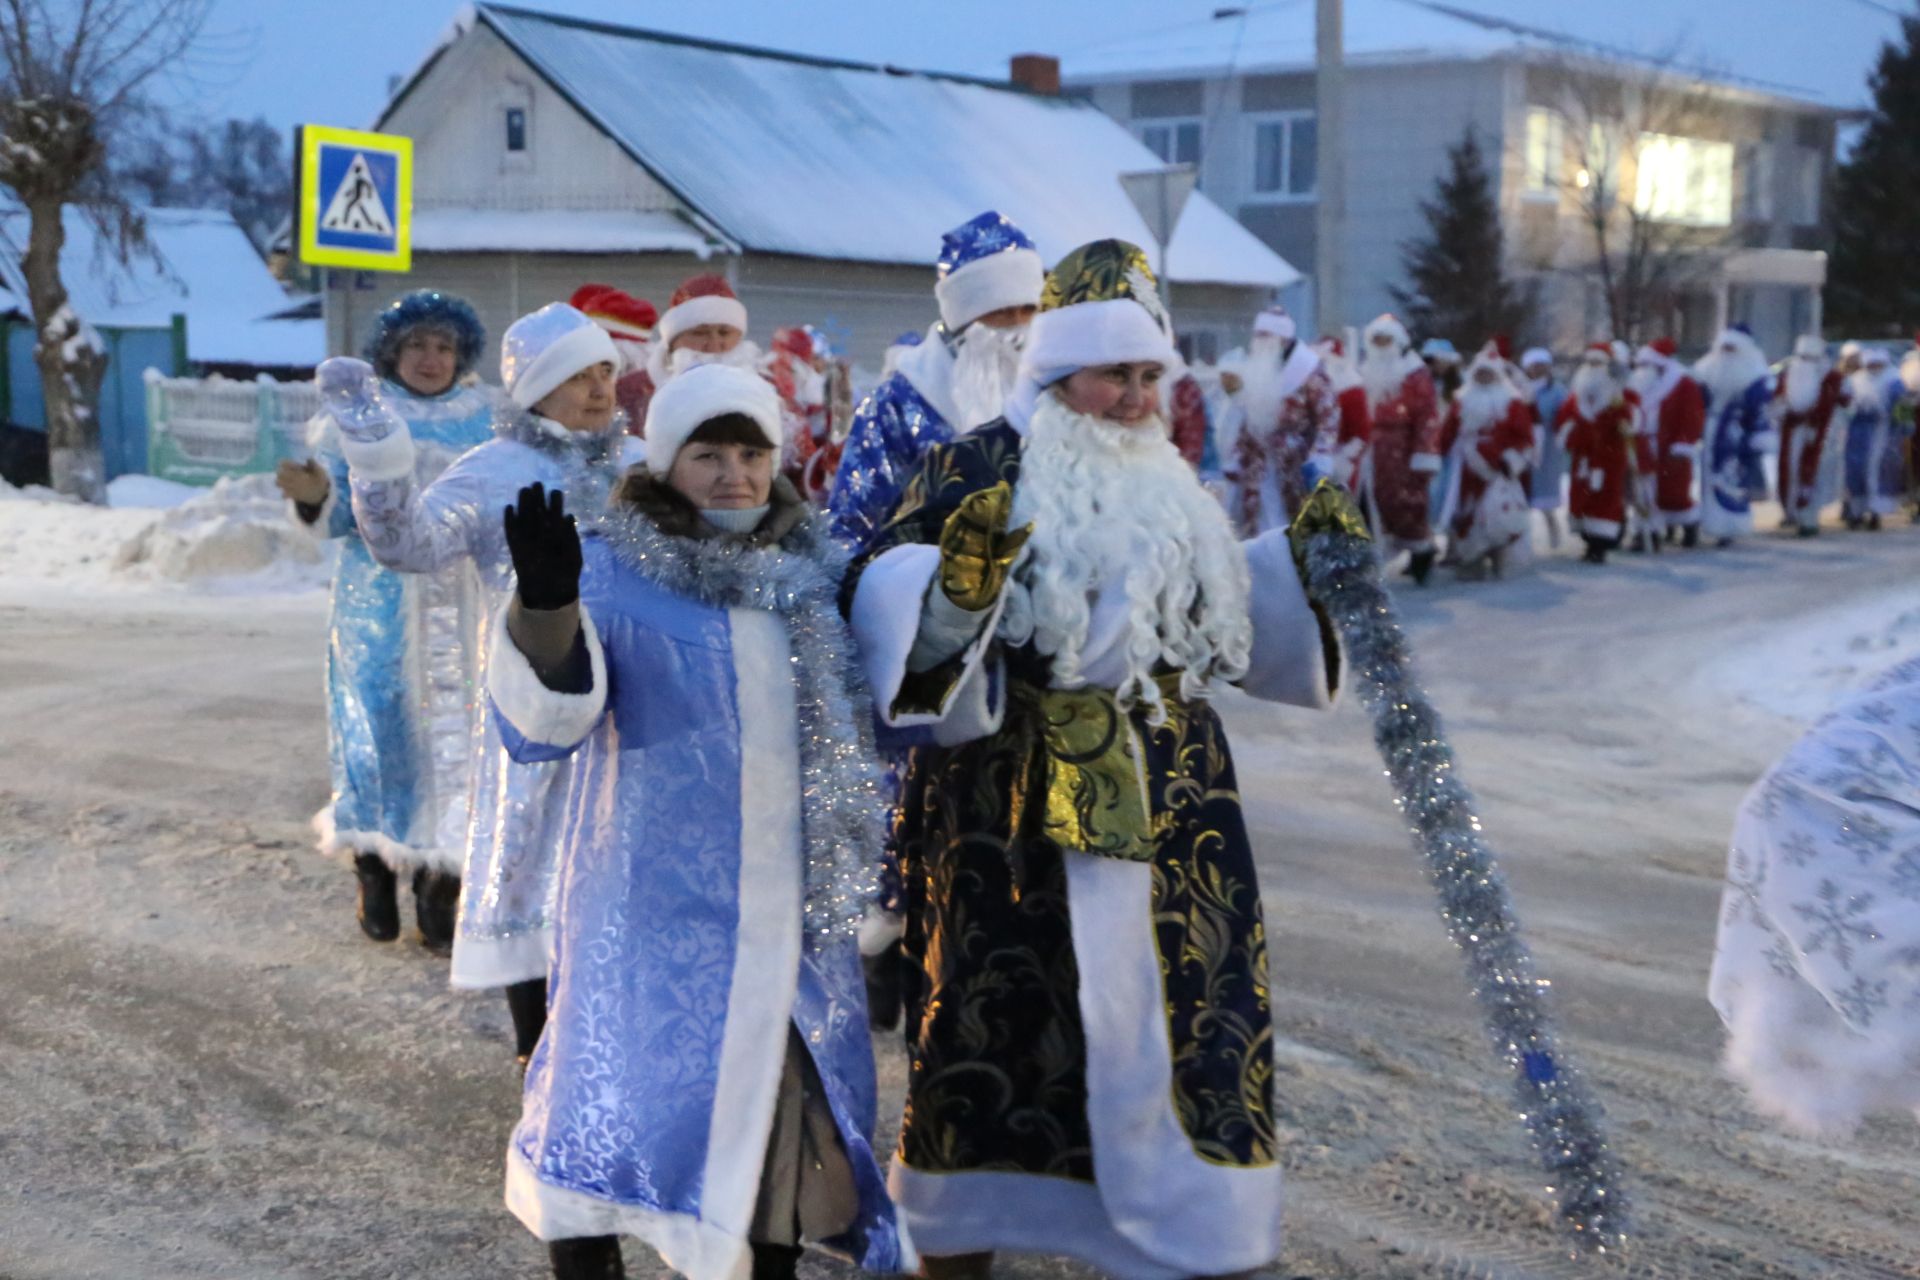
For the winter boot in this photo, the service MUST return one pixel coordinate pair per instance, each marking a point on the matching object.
(883, 988)
(527, 1002)
(379, 904)
(1420, 566)
(1807, 531)
(1873, 523)
(1596, 551)
(436, 900)
(958, 1266)
(587, 1258)
(775, 1261)
(1690, 537)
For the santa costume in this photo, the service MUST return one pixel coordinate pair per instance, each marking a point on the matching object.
(1878, 423)
(1596, 429)
(1811, 394)
(1814, 968)
(629, 321)
(1289, 415)
(1405, 456)
(1739, 435)
(1675, 411)
(951, 382)
(1055, 600)
(701, 302)
(1348, 462)
(796, 366)
(1488, 434)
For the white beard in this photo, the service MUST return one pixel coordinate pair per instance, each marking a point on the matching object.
(1869, 390)
(1382, 374)
(984, 368)
(1482, 407)
(633, 353)
(1803, 383)
(1116, 509)
(1594, 389)
(1644, 379)
(1727, 375)
(744, 356)
(1261, 381)
(809, 384)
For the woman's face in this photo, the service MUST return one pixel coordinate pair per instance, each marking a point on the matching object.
(712, 339)
(723, 477)
(583, 402)
(427, 362)
(1126, 395)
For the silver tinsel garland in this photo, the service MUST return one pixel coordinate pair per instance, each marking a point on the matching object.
(1562, 1117)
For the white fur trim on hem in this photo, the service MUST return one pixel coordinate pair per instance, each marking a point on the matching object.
(1424, 462)
(698, 1250)
(1288, 660)
(398, 855)
(879, 930)
(709, 308)
(1600, 528)
(1009, 278)
(542, 715)
(483, 964)
(388, 458)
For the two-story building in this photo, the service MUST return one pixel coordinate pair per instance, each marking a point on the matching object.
(551, 152)
(1726, 177)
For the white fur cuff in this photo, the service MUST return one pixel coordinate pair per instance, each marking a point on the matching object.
(543, 715)
(1010, 278)
(1424, 462)
(388, 458)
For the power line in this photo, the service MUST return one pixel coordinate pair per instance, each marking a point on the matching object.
(1887, 9)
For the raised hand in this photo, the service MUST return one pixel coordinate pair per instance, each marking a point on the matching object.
(306, 482)
(351, 394)
(545, 547)
(977, 550)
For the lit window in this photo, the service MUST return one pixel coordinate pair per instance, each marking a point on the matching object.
(516, 128)
(1174, 141)
(1286, 156)
(1684, 180)
(1546, 150)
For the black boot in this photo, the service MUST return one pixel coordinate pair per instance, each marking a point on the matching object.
(527, 1002)
(1596, 551)
(1420, 566)
(436, 900)
(587, 1258)
(1873, 523)
(775, 1261)
(379, 905)
(883, 988)
(1691, 537)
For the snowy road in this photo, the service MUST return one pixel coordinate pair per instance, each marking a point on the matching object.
(205, 1071)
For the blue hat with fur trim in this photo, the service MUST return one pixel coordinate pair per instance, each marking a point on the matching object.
(432, 309)
(986, 264)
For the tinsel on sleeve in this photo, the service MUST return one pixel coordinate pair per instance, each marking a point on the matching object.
(1563, 1118)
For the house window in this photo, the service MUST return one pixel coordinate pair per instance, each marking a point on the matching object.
(1546, 150)
(1809, 173)
(516, 128)
(1286, 156)
(1687, 181)
(1600, 166)
(1174, 141)
(1756, 182)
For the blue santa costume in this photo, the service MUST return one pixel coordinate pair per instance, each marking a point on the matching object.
(722, 825)
(454, 523)
(985, 264)
(1739, 434)
(399, 668)
(1878, 425)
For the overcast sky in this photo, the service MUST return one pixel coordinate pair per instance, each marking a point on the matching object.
(329, 63)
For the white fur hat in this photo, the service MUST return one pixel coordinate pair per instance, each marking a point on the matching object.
(1276, 322)
(1810, 346)
(542, 350)
(699, 395)
(986, 264)
(1388, 324)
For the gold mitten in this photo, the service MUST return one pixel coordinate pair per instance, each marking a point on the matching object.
(1327, 507)
(977, 550)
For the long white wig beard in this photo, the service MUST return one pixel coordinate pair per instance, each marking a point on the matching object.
(744, 356)
(1803, 379)
(984, 368)
(1481, 407)
(1261, 383)
(1118, 509)
(1868, 386)
(1728, 374)
(1382, 371)
(1644, 378)
(1594, 387)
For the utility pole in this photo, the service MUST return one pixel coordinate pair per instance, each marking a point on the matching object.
(1329, 298)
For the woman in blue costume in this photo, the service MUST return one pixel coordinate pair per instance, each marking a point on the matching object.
(706, 1079)
(398, 669)
(561, 427)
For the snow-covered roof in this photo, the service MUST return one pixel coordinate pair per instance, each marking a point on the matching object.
(556, 231)
(208, 272)
(843, 160)
(1280, 37)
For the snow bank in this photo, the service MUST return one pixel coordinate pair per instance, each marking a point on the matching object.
(236, 536)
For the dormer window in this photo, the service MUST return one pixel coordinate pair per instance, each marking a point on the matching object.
(516, 128)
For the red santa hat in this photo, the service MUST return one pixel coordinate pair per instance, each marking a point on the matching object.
(1659, 351)
(705, 299)
(1275, 322)
(700, 395)
(615, 310)
(1604, 349)
(1491, 358)
(1389, 324)
(795, 341)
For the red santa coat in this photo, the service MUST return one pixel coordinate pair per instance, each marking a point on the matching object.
(1600, 453)
(1187, 419)
(1803, 443)
(1406, 453)
(1486, 451)
(1677, 412)
(1266, 471)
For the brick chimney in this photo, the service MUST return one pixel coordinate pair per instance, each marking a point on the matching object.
(1036, 73)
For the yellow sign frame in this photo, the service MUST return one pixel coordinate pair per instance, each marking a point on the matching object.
(313, 207)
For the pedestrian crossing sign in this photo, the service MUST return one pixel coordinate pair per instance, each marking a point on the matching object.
(356, 199)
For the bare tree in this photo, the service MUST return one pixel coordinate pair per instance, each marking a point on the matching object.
(1642, 178)
(72, 76)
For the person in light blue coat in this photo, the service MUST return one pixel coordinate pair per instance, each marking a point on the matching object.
(560, 426)
(398, 667)
(706, 1079)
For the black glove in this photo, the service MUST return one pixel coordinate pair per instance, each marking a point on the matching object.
(545, 547)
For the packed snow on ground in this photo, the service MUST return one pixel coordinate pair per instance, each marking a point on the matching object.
(237, 536)
(207, 1072)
